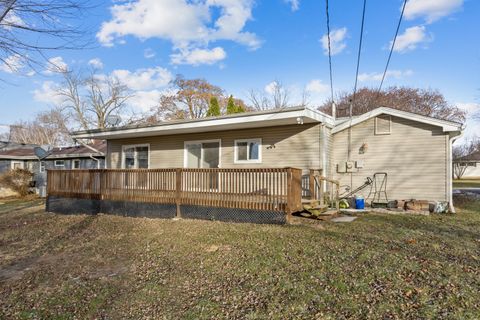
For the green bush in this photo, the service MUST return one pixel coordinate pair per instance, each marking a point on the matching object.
(18, 180)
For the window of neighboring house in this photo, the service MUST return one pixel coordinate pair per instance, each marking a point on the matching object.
(383, 124)
(136, 156)
(59, 163)
(248, 151)
(76, 164)
(30, 166)
(17, 165)
(42, 166)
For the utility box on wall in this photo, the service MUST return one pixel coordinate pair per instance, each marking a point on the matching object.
(350, 166)
(347, 166)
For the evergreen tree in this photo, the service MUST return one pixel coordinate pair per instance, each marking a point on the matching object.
(213, 108)
(232, 107)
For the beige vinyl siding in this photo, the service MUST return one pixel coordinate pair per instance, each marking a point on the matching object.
(413, 155)
(282, 146)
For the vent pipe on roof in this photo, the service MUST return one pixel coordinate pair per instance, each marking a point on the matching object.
(334, 110)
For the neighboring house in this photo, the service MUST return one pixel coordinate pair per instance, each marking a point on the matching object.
(468, 167)
(75, 157)
(414, 150)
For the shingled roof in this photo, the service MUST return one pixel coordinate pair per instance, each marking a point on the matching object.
(474, 156)
(27, 153)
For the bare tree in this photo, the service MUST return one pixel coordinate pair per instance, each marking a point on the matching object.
(189, 99)
(277, 97)
(29, 28)
(422, 101)
(91, 99)
(460, 154)
(48, 127)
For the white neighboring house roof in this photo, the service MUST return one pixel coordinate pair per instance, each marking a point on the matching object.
(447, 126)
(270, 118)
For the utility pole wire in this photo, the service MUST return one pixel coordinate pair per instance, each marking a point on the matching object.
(330, 57)
(391, 49)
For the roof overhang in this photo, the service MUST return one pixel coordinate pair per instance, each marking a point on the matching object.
(289, 116)
(447, 126)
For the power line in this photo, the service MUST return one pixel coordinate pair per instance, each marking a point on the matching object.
(393, 46)
(329, 50)
(356, 82)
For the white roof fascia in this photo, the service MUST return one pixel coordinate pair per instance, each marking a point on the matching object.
(287, 117)
(447, 126)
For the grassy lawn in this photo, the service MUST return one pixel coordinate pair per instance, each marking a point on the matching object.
(380, 266)
(466, 183)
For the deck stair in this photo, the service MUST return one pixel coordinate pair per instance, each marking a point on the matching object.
(313, 208)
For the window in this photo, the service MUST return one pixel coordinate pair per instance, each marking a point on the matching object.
(136, 156)
(202, 154)
(42, 166)
(248, 151)
(17, 165)
(383, 124)
(76, 164)
(59, 163)
(30, 166)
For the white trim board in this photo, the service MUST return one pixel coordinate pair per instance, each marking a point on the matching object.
(241, 121)
(447, 126)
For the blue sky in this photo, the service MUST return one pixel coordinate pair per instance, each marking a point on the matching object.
(244, 45)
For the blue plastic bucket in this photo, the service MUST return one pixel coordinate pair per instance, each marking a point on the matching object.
(359, 202)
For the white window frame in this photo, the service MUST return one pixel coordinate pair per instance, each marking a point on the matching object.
(126, 146)
(42, 166)
(59, 165)
(73, 164)
(185, 152)
(12, 164)
(389, 126)
(235, 152)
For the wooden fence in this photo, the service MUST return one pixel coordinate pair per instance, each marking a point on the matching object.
(268, 189)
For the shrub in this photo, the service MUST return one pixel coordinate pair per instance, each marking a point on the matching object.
(18, 180)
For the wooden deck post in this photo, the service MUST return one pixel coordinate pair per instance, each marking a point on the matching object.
(311, 183)
(178, 191)
(290, 196)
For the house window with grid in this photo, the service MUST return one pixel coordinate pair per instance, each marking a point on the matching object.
(248, 151)
(136, 156)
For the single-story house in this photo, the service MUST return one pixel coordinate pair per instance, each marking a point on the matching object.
(414, 150)
(468, 166)
(20, 156)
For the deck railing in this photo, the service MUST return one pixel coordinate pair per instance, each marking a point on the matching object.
(323, 189)
(269, 189)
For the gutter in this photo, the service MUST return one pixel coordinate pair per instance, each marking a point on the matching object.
(97, 160)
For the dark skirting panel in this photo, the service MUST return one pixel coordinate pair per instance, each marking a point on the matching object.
(72, 205)
(232, 215)
(138, 209)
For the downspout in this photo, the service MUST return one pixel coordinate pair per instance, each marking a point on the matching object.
(93, 149)
(450, 171)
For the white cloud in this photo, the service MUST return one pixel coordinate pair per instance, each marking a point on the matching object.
(12, 64)
(410, 39)
(199, 56)
(55, 64)
(188, 25)
(145, 100)
(96, 63)
(337, 41)
(317, 86)
(48, 94)
(374, 76)
(149, 53)
(144, 79)
(12, 20)
(431, 10)
(270, 88)
(294, 4)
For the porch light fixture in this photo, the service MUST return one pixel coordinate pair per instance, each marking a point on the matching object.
(300, 120)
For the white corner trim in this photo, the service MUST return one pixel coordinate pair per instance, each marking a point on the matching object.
(235, 151)
(447, 126)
